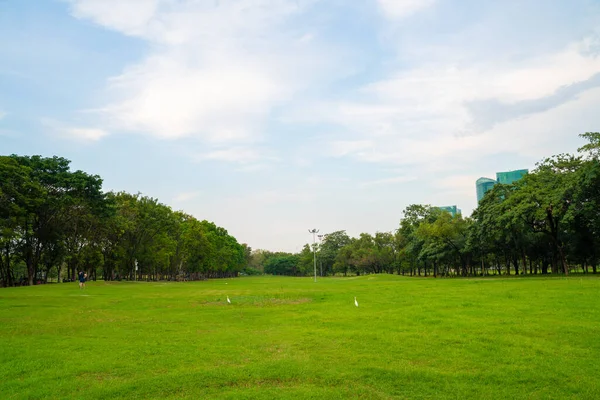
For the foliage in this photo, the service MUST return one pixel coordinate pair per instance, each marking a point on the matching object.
(548, 221)
(52, 219)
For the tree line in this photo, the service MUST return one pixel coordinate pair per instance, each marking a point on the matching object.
(547, 222)
(56, 222)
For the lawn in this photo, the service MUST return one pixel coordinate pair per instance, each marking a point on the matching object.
(412, 338)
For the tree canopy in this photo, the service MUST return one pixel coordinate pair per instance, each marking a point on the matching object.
(547, 222)
(54, 220)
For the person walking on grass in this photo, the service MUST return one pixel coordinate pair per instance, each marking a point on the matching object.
(82, 277)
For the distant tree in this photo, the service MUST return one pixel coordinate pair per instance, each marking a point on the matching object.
(306, 264)
(51, 216)
(283, 264)
(329, 248)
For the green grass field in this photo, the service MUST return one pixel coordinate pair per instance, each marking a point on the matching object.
(494, 338)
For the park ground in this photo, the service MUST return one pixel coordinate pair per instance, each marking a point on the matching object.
(410, 338)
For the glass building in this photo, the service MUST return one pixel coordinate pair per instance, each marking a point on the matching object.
(451, 209)
(483, 186)
(506, 178)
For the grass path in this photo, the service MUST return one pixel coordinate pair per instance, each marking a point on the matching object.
(512, 338)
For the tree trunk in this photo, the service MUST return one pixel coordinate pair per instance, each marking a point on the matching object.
(10, 279)
(30, 273)
(530, 266)
(545, 266)
(554, 264)
(483, 271)
(563, 260)
(3, 278)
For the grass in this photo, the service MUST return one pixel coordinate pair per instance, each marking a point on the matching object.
(492, 338)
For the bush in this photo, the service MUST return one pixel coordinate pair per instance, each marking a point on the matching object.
(250, 271)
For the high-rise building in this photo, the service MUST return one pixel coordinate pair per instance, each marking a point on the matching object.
(506, 178)
(451, 209)
(484, 185)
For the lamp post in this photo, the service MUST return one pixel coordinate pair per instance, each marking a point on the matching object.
(321, 258)
(314, 232)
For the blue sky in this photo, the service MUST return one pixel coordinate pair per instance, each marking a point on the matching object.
(270, 117)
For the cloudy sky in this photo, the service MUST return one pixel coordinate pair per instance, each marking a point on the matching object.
(270, 117)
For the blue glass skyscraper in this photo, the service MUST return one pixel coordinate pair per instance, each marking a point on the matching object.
(484, 185)
(506, 178)
(454, 210)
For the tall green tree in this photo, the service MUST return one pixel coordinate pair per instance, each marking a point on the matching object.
(329, 248)
(61, 193)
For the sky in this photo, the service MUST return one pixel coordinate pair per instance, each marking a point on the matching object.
(273, 117)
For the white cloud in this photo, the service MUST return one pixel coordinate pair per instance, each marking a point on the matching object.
(86, 134)
(177, 22)
(241, 155)
(530, 139)
(2, 114)
(344, 147)
(403, 8)
(277, 196)
(306, 38)
(456, 183)
(388, 181)
(170, 99)
(216, 69)
(130, 17)
(426, 115)
(249, 168)
(450, 123)
(186, 196)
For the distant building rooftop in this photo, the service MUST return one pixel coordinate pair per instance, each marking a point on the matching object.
(454, 210)
(484, 185)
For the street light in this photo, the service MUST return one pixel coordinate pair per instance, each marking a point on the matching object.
(321, 259)
(314, 232)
